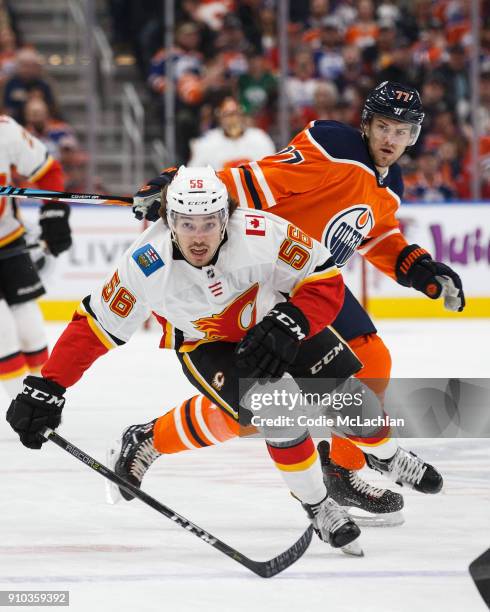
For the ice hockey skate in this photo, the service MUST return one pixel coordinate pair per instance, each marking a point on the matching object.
(130, 457)
(376, 507)
(406, 469)
(332, 524)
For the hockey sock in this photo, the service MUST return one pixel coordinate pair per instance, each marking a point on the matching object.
(13, 366)
(376, 359)
(196, 423)
(299, 465)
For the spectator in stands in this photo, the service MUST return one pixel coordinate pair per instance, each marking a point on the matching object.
(233, 46)
(379, 56)
(301, 85)
(430, 48)
(455, 74)
(428, 183)
(39, 122)
(257, 90)
(401, 69)
(434, 97)
(232, 143)
(325, 100)
(8, 51)
(26, 82)
(352, 75)
(328, 58)
(364, 30)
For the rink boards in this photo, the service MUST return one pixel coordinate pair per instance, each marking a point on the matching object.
(457, 234)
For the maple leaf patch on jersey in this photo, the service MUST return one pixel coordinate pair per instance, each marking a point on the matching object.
(148, 259)
(254, 225)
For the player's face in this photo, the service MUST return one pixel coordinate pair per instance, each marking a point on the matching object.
(198, 237)
(387, 139)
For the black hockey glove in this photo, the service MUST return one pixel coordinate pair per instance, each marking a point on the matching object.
(416, 268)
(55, 229)
(271, 346)
(146, 201)
(38, 406)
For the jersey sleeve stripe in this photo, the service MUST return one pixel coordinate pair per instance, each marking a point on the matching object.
(261, 180)
(242, 198)
(97, 331)
(107, 339)
(247, 175)
(41, 170)
(313, 278)
(372, 243)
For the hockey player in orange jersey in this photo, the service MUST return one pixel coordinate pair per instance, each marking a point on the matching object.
(343, 187)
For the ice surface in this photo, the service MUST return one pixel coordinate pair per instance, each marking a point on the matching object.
(57, 532)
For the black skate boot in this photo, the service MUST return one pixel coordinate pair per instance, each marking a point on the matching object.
(131, 457)
(405, 468)
(348, 489)
(332, 524)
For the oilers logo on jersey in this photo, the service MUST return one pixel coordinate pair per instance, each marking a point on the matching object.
(346, 230)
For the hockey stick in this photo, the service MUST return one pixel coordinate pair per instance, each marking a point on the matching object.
(480, 572)
(20, 250)
(265, 569)
(66, 196)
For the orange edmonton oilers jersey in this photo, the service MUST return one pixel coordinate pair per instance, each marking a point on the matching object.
(325, 183)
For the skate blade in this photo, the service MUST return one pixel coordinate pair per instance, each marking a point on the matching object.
(390, 519)
(353, 549)
(112, 494)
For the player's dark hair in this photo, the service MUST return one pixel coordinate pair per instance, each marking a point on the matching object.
(232, 205)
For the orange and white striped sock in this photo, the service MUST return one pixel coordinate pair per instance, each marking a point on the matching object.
(298, 462)
(196, 423)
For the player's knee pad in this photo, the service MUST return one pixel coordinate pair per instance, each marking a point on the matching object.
(30, 326)
(376, 360)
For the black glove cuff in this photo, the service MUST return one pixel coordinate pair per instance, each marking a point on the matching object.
(408, 257)
(45, 385)
(291, 319)
(54, 210)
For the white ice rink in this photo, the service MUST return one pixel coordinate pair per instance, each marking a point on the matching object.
(56, 532)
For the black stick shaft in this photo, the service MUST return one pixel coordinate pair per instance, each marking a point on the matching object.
(265, 569)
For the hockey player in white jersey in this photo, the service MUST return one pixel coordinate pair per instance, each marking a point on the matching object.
(24, 346)
(239, 295)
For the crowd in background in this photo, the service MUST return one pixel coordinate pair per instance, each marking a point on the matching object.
(338, 50)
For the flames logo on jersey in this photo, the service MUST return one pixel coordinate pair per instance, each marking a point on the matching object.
(346, 231)
(231, 323)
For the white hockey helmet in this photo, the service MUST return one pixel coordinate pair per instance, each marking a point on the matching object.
(196, 191)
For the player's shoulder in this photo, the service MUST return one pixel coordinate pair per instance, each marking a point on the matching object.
(9, 127)
(151, 251)
(254, 225)
(339, 141)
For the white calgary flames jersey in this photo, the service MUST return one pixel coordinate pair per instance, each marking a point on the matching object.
(219, 151)
(30, 157)
(262, 258)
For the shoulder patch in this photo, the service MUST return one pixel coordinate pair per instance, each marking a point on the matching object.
(254, 225)
(148, 259)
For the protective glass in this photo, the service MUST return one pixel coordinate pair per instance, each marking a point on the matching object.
(205, 225)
